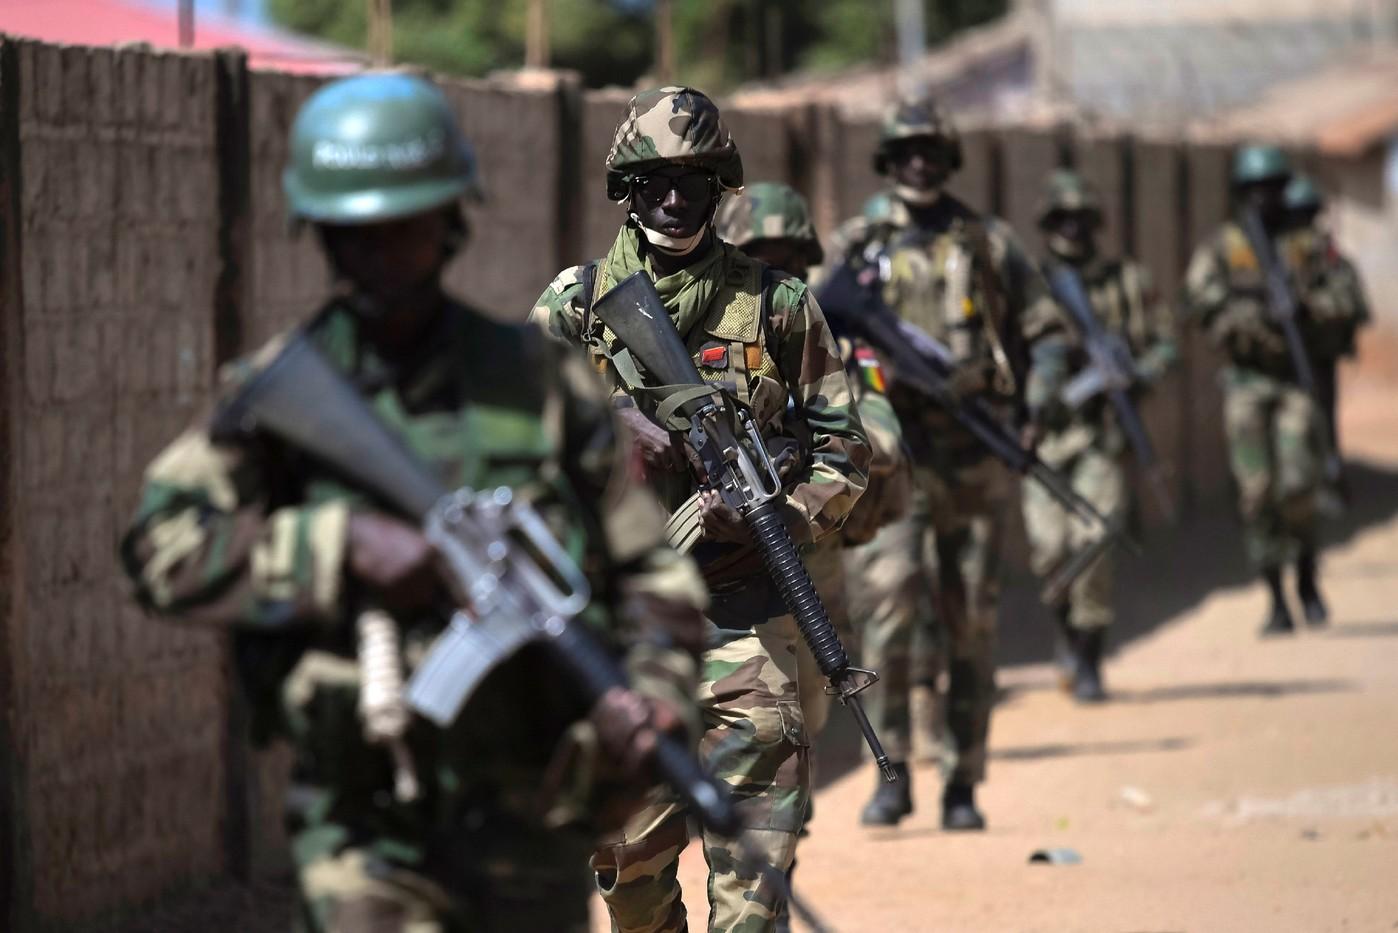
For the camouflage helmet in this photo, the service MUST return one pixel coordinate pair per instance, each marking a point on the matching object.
(923, 118)
(1302, 194)
(376, 147)
(671, 125)
(1068, 192)
(1256, 163)
(769, 210)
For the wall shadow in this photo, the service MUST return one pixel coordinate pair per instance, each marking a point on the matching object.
(1178, 568)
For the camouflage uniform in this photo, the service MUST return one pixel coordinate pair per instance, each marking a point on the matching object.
(1339, 292)
(772, 211)
(761, 332)
(951, 275)
(240, 530)
(1088, 446)
(1275, 430)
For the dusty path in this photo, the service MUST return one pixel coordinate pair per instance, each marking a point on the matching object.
(1234, 784)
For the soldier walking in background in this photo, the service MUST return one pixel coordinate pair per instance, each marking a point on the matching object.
(963, 279)
(1277, 438)
(1313, 249)
(491, 825)
(759, 332)
(1087, 445)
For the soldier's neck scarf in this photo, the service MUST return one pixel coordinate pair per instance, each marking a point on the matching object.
(686, 293)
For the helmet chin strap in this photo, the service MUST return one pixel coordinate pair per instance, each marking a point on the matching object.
(918, 197)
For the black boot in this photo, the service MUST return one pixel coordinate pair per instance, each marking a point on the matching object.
(1279, 620)
(1316, 613)
(959, 808)
(1087, 677)
(1066, 648)
(892, 800)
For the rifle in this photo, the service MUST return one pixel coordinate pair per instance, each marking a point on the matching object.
(1112, 373)
(923, 364)
(730, 448)
(519, 585)
(1282, 307)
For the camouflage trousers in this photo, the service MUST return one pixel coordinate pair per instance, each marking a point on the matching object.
(946, 552)
(755, 740)
(1054, 534)
(495, 875)
(1276, 448)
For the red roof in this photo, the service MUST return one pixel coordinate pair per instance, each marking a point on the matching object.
(110, 22)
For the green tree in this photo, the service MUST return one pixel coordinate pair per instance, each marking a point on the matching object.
(719, 43)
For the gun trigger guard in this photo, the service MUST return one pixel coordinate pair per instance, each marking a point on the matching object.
(855, 681)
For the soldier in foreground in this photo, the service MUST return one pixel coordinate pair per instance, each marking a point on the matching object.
(963, 279)
(500, 810)
(1277, 438)
(1087, 444)
(757, 330)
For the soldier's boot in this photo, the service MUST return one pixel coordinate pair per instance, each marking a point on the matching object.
(1307, 588)
(1279, 618)
(959, 811)
(892, 800)
(1065, 648)
(1087, 676)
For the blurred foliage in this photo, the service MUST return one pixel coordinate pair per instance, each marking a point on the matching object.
(719, 43)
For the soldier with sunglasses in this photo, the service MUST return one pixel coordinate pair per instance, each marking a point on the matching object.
(759, 331)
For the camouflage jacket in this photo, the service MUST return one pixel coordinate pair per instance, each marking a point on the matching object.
(761, 332)
(967, 282)
(1125, 301)
(243, 531)
(1225, 291)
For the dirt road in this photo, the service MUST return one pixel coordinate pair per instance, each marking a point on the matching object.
(1233, 785)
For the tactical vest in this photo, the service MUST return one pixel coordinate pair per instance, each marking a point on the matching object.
(730, 345)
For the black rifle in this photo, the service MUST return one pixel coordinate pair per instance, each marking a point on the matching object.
(520, 585)
(734, 457)
(1111, 373)
(925, 365)
(1282, 306)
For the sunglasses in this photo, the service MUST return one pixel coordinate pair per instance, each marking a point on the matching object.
(691, 186)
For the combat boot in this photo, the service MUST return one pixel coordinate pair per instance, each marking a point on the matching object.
(1279, 620)
(1309, 591)
(959, 811)
(1087, 676)
(892, 800)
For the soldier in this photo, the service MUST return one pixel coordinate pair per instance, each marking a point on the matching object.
(771, 223)
(963, 278)
(240, 530)
(1313, 248)
(1087, 445)
(759, 331)
(1276, 434)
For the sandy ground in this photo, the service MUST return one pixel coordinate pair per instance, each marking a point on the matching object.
(1234, 784)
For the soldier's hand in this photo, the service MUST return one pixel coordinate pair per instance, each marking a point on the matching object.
(657, 445)
(393, 559)
(629, 726)
(720, 521)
